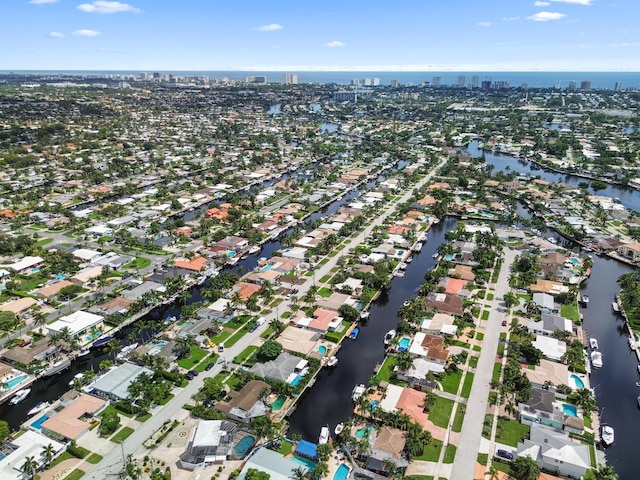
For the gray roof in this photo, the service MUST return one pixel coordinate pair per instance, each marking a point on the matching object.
(273, 463)
(278, 369)
(116, 382)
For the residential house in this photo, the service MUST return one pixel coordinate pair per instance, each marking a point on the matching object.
(445, 302)
(549, 324)
(389, 445)
(246, 404)
(630, 251)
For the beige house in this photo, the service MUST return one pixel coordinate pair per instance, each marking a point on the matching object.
(630, 251)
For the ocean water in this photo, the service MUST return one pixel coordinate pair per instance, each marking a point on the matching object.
(599, 80)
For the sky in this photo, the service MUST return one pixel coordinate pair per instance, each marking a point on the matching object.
(303, 35)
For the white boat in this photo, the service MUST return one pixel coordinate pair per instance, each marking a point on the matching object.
(339, 428)
(122, 354)
(417, 247)
(593, 343)
(38, 408)
(57, 367)
(607, 434)
(552, 240)
(402, 265)
(596, 359)
(398, 273)
(333, 361)
(409, 260)
(84, 351)
(390, 335)
(365, 315)
(19, 396)
(77, 376)
(615, 306)
(253, 250)
(324, 435)
(357, 392)
(632, 343)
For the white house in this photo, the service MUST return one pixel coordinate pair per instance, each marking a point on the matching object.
(77, 323)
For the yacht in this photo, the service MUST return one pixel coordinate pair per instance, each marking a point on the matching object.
(333, 361)
(615, 306)
(357, 392)
(607, 434)
(398, 273)
(596, 359)
(339, 428)
(84, 351)
(417, 247)
(19, 396)
(365, 315)
(593, 343)
(38, 408)
(632, 343)
(253, 250)
(102, 341)
(57, 367)
(324, 435)
(122, 354)
(389, 336)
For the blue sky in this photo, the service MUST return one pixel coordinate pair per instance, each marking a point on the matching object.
(410, 35)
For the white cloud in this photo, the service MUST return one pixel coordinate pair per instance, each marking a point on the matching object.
(628, 44)
(546, 16)
(511, 19)
(103, 6)
(56, 34)
(42, 2)
(334, 44)
(484, 24)
(576, 2)
(542, 4)
(86, 33)
(272, 27)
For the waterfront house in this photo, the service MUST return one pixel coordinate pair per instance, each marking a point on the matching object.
(246, 404)
(389, 445)
(213, 441)
(549, 324)
(25, 265)
(630, 251)
(77, 323)
(429, 347)
(274, 464)
(541, 408)
(551, 348)
(439, 324)
(445, 302)
(114, 384)
(28, 444)
(75, 417)
(545, 303)
(554, 451)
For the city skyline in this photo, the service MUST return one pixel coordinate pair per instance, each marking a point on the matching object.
(551, 35)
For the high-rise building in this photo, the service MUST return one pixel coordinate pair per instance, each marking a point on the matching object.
(486, 85)
(436, 81)
(585, 85)
(375, 82)
(617, 87)
(395, 83)
(290, 78)
(461, 80)
(367, 82)
(475, 81)
(558, 83)
(573, 84)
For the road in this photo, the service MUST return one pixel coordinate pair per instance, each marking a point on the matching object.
(471, 434)
(111, 464)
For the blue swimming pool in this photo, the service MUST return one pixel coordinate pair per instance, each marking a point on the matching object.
(244, 445)
(231, 254)
(569, 410)
(38, 423)
(59, 276)
(574, 260)
(15, 381)
(364, 431)
(267, 267)
(403, 344)
(296, 380)
(449, 256)
(575, 382)
(342, 473)
(322, 350)
(305, 462)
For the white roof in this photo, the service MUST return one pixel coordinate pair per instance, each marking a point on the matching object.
(550, 347)
(29, 444)
(85, 254)
(392, 397)
(99, 229)
(219, 305)
(25, 262)
(76, 322)
(416, 347)
(208, 433)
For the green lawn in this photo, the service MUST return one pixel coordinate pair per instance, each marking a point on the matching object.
(384, 374)
(324, 292)
(94, 458)
(449, 454)
(490, 296)
(143, 418)
(431, 452)
(246, 353)
(480, 336)
(458, 419)
(419, 477)
(63, 456)
(75, 474)
(325, 279)
(510, 432)
(235, 337)
(485, 315)
(221, 337)
(43, 242)
(122, 435)
(466, 388)
(197, 354)
(570, 312)
(336, 337)
(139, 263)
(483, 458)
(451, 382)
(285, 448)
(497, 368)
(441, 412)
(473, 361)
(487, 425)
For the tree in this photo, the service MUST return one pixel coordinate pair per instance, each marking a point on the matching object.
(5, 431)
(113, 347)
(269, 350)
(349, 313)
(29, 467)
(525, 468)
(253, 474)
(404, 361)
(110, 423)
(47, 453)
(321, 470)
(510, 299)
(183, 345)
(324, 451)
(604, 472)
(299, 473)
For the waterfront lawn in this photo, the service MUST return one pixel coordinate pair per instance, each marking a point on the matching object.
(122, 435)
(570, 312)
(197, 354)
(337, 336)
(466, 388)
(384, 374)
(285, 448)
(510, 432)
(245, 354)
(431, 452)
(451, 381)
(459, 418)
(440, 412)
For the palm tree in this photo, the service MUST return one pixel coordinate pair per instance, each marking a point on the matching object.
(113, 347)
(299, 473)
(183, 345)
(321, 470)
(404, 361)
(29, 467)
(48, 451)
(525, 468)
(604, 472)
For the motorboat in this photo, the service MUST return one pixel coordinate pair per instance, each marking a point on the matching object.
(324, 435)
(354, 333)
(38, 408)
(102, 341)
(417, 247)
(19, 396)
(253, 250)
(77, 376)
(390, 335)
(409, 260)
(339, 428)
(593, 343)
(57, 367)
(333, 361)
(122, 354)
(638, 400)
(596, 359)
(84, 351)
(398, 273)
(607, 434)
(632, 343)
(615, 306)
(357, 392)
(402, 266)
(365, 315)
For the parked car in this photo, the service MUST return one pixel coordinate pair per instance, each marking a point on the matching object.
(191, 374)
(504, 454)
(210, 366)
(254, 327)
(504, 323)
(220, 348)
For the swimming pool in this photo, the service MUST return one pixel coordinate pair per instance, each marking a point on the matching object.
(231, 254)
(187, 324)
(364, 431)
(59, 276)
(278, 402)
(342, 473)
(373, 404)
(305, 462)
(15, 381)
(38, 423)
(574, 260)
(244, 445)
(403, 344)
(296, 380)
(156, 348)
(322, 350)
(575, 382)
(93, 336)
(449, 256)
(569, 410)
